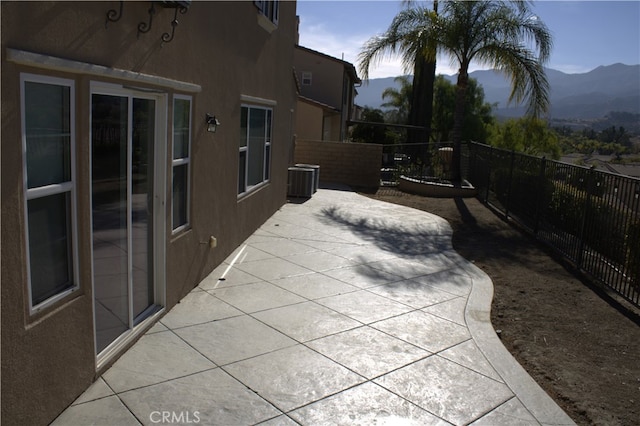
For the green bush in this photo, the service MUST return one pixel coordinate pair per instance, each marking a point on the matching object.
(604, 231)
(528, 191)
(565, 210)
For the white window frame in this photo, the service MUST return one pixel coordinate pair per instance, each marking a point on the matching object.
(269, 8)
(51, 189)
(181, 162)
(268, 137)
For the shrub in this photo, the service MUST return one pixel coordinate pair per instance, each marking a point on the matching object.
(569, 210)
(525, 194)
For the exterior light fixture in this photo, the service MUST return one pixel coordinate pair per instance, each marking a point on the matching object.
(212, 123)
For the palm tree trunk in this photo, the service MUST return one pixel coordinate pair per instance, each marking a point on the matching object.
(421, 110)
(421, 105)
(458, 118)
(415, 107)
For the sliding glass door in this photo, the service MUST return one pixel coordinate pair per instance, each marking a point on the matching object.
(123, 176)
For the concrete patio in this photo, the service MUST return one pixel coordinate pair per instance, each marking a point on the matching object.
(338, 310)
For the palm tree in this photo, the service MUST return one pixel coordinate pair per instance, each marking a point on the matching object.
(424, 77)
(414, 60)
(502, 35)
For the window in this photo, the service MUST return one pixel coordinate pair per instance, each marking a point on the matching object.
(269, 8)
(181, 161)
(255, 147)
(48, 135)
(306, 78)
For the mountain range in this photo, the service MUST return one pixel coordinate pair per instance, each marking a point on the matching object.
(589, 95)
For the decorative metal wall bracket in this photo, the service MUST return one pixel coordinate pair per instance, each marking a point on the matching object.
(181, 6)
(145, 27)
(166, 37)
(114, 15)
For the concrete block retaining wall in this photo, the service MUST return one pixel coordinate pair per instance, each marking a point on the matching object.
(355, 164)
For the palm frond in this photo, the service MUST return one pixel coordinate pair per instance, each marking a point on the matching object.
(406, 37)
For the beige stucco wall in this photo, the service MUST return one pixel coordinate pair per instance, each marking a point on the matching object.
(48, 359)
(332, 84)
(308, 121)
(333, 127)
(355, 164)
(326, 83)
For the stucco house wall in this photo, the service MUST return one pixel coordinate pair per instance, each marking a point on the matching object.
(222, 57)
(308, 120)
(328, 81)
(326, 76)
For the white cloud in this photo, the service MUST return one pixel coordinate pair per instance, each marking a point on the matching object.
(317, 36)
(389, 68)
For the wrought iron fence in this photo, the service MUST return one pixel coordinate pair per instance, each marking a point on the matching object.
(589, 216)
(422, 161)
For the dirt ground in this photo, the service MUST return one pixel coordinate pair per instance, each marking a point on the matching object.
(581, 345)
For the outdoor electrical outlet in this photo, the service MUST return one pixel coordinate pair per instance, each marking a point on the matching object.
(213, 242)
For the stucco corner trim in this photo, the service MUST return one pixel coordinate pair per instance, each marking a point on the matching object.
(43, 61)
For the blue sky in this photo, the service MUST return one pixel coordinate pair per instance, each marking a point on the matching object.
(586, 34)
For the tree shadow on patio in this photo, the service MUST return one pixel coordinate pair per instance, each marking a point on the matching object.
(405, 239)
(422, 256)
(487, 239)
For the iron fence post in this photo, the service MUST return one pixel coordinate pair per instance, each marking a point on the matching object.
(539, 196)
(508, 201)
(473, 160)
(486, 192)
(583, 225)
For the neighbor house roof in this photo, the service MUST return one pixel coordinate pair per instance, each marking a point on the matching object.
(318, 104)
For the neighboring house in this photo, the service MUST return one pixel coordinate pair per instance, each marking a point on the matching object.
(117, 196)
(605, 163)
(327, 89)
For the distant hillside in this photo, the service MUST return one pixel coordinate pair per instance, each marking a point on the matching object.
(576, 96)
